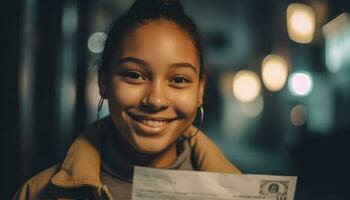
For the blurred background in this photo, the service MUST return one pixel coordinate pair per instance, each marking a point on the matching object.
(278, 90)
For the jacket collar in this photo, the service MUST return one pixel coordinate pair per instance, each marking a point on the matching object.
(81, 167)
(82, 164)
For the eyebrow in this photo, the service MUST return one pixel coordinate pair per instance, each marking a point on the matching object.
(143, 63)
(134, 60)
(184, 65)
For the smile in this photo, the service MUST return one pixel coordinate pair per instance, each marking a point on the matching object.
(153, 123)
(150, 121)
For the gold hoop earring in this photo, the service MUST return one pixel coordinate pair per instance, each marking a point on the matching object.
(201, 109)
(99, 107)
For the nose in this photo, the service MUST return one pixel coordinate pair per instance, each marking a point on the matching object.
(155, 98)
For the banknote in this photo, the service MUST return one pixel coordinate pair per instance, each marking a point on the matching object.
(150, 184)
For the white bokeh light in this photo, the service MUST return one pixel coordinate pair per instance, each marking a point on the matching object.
(96, 42)
(300, 83)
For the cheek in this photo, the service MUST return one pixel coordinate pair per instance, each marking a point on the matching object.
(125, 95)
(186, 103)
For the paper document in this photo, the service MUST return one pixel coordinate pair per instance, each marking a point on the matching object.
(150, 183)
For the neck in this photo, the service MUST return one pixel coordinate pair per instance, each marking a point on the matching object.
(160, 160)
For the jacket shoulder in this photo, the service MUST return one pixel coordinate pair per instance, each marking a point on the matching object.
(208, 157)
(38, 186)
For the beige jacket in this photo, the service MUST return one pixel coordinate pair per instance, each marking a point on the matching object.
(79, 175)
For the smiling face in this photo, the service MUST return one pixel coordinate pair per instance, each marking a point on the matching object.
(155, 86)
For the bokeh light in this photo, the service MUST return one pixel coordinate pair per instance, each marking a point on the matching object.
(274, 72)
(96, 42)
(298, 115)
(300, 83)
(246, 86)
(337, 43)
(301, 22)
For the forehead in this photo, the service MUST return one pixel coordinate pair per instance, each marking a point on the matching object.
(160, 41)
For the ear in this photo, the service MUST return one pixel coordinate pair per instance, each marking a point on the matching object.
(202, 82)
(102, 85)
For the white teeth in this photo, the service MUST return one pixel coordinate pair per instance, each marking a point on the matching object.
(153, 123)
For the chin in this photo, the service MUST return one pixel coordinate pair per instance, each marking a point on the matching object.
(149, 151)
(151, 146)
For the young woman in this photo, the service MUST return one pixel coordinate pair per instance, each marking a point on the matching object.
(153, 79)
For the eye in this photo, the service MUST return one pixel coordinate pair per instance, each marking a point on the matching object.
(133, 77)
(180, 80)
